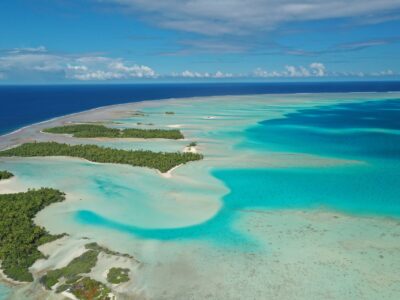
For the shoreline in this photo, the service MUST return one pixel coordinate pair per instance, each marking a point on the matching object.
(184, 98)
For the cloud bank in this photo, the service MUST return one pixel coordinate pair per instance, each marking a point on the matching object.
(38, 64)
(238, 17)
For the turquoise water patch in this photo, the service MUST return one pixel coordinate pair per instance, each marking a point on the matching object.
(366, 132)
(217, 229)
(359, 190)
(5, 291)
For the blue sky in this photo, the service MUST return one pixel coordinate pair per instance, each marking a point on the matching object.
(174, 40)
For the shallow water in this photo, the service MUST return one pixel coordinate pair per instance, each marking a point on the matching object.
(5, 291)
(119, 198)
(369, 188)
(366, 131)
(278, 172)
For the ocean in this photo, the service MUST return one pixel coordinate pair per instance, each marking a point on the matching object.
(25, 105)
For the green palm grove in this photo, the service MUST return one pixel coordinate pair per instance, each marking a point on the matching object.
(98, 131)
(162, 161)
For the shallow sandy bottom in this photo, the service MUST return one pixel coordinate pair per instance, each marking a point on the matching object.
(286, 254)
(300, 255)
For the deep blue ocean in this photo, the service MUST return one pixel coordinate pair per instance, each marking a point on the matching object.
(24, 105)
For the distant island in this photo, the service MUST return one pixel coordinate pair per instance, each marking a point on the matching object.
(101, 131)
(162, 161)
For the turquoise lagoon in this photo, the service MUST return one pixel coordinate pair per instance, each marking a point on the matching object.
(367, 132)
(140, 204)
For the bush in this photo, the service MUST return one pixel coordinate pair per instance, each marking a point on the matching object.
(117, 275)
(79, 265)
(5, 175)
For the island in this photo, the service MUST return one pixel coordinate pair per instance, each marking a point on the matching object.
(118, 275)
(101, 131)
(75, 278)
(5, 175)
(162, 161)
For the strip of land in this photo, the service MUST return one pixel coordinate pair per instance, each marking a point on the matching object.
(162, 161)
(101, 131)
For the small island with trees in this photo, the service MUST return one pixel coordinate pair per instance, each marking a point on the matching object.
(101, 131)
(75, 277)
(162, 161)
(118, 275)
(5, 175)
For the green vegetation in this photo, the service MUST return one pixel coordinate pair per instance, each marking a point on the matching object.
(97, 131)
(162, 161)
(72, 277)
(192, 144)
(97, 247)
(5, 175)
(118, 275)
(19, 236)
(138, 114)
(79, 265)
(90, 289)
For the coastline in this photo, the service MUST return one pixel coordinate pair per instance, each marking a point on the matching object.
(106, 107)
(219, 154)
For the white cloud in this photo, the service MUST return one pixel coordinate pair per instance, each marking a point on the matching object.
(384, 73)
(96, 75)
(77, 68)
(318, 69)
(191, 74)
(132, 70)
(40, 49)
(211, 17)
(21, 64)
(47, 66)
(313, 70)
(102, 68)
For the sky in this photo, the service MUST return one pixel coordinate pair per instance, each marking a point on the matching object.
(98, 41)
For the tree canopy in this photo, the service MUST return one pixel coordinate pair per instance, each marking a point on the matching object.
(5, 175)
(97, 131)
(19, 236)
(162, 161)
